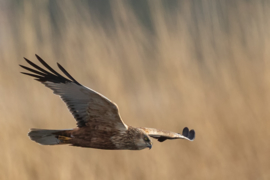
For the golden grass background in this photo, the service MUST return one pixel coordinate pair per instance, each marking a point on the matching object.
(167, 64)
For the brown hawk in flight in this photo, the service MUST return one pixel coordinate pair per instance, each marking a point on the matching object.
(99, 123)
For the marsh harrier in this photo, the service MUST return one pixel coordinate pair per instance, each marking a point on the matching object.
(99, 124)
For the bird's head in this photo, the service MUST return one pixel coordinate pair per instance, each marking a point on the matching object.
(143, 140)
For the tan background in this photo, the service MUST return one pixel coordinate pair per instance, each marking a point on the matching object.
(167, 64)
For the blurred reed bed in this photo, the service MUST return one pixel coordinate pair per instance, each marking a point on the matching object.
(167, 64)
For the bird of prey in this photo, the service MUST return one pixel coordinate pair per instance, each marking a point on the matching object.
(99, 124)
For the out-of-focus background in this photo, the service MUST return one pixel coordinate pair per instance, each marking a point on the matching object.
(167, 64)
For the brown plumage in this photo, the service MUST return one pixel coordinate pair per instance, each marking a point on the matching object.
(98, 120)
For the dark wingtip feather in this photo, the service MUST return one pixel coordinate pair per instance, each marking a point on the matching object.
(37, 67)
(33, 75)
(67, 74)
(39, 58)
(27, 60)
(48, 67)
(191, 135)
(44, 75)
(32, 70)
(185, 132)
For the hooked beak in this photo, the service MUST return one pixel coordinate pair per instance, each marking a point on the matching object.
(149, 145)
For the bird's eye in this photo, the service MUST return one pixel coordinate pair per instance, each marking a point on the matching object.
(145, 138)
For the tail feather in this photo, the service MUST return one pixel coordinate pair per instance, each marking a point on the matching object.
(46, 137)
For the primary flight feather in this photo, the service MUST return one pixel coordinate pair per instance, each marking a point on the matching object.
(99, 124)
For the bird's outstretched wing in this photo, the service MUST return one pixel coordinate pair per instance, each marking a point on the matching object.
(88, 107)
(161, 135)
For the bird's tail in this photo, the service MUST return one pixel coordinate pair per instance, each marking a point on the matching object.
(50, 137)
